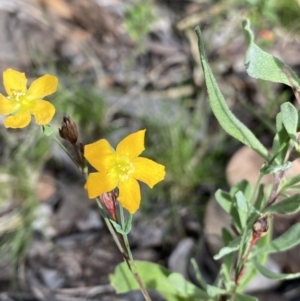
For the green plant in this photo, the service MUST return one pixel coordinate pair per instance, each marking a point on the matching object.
(138, 19)
(250, 208)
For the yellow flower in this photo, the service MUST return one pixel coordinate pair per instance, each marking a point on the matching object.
(21, 103)
(121, 168)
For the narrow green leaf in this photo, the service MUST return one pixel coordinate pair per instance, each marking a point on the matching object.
(260, 198)
(257, 207)
(272, 169)
(290, 119)
(287, 183)
(244, 186)
(289, 205)
(117, 227)
(226, 236)
(271, 275)
(225, 117)
(224, 199)
(128, 224)
(228, 203)
(243, 208)
(232, 247)
(198, 274)
(262, 65)
(286, 241)
(281, 140)
(228, 260)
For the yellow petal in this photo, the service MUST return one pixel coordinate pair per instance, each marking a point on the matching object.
(42, 110)
(132, 145)
(100, 155)
(14, 81)
(148, 171)
(20, 120)
(8, 106)
(43, 86)
(97, 183)
(130, 195)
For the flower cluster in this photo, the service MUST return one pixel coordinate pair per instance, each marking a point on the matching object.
(21, 103)
(121, 168)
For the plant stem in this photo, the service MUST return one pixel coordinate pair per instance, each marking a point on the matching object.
(66, 151)
(110, 227)
(130, 260)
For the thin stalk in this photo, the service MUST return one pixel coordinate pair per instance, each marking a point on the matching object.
(130, 262)
(66, 151)
(111, 228)
(79, 159)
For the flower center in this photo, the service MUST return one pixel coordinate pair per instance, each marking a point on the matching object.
(123, 168)
(20, 97)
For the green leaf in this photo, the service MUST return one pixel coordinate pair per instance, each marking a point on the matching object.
(243, 186)
(256, 208)
(228, 203)
(224, 199)
(262, 65)
(287, 183)
(271, 275)
(286, 241)
(242, 297)
(213, 291)
(289, 205)
(232, 247)
(198, 274)
(272, 169)
(156, 277)
(184, 287)
(47, 129)
(243, 208)
(281, 140)
(117, 227)
(225, 117)
(290, 119)
(128, 224)
(228, 260)
(260, 198)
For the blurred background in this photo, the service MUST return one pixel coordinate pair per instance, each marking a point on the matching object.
(124, 66)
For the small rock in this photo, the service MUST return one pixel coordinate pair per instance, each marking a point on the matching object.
(148, 232)
(42, 221)
(45, 188)
(180, 257)
(90, 221)
(246, 164)
(51, 278)
(40, 248)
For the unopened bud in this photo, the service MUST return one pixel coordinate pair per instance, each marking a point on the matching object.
(108, 200)
(68, 130)
(261, 227)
